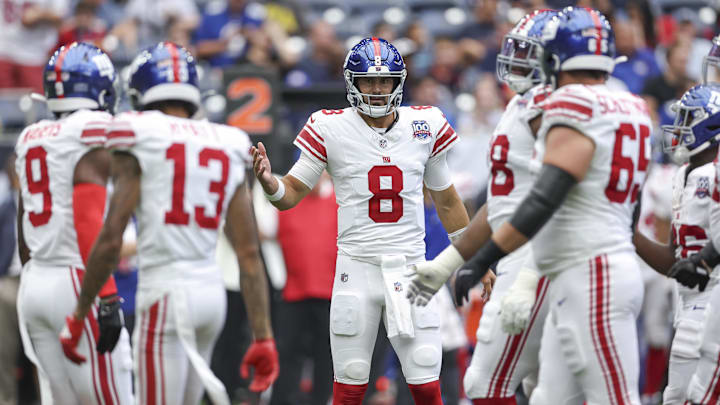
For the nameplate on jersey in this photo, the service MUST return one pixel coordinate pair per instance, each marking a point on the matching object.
(421, 131)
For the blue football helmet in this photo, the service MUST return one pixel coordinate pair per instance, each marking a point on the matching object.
(577, 39)
(164, 72)
(374, 57)
(711, 63)
(80, 76)
(697, 122)
(518, 62)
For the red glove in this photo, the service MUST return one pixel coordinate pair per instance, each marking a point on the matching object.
(262, 355)
(70, 337)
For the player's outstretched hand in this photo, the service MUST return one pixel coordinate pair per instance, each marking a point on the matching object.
(263, 356)
(517, 304)
(690, 272)
(425, 281)
(70, 337)
(110, 323)
(467, 278)
(261, 164)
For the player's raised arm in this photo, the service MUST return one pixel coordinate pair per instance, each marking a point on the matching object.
(105, 254)
(242, 234)
(284, 193)
(659, 256)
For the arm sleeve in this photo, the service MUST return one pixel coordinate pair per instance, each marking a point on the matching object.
(571, 106)
(445, 139)
(310, 141)
(437, 173)
(307, 170)
(120, 135)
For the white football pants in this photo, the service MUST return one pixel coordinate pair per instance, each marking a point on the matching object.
(704, 387)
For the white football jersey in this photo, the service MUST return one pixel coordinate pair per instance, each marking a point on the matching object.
(378, 179)
(597, 213)
(47, 153)
(510, 156)
(190, 171)
(691, 205)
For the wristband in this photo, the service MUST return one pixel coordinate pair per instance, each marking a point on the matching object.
(457, 234)
(486, 256)
(279, 194)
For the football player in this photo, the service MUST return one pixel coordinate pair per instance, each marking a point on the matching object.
(694, 137)
(63, 170)
(379, 155)
(504, 356)
(594, 146)
(180, 177)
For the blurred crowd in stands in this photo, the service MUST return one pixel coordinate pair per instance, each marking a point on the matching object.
(450, 48)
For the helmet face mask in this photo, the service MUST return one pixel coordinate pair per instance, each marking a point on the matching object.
(697, 123)
(711, 63)
(518, 64)
(371, 58)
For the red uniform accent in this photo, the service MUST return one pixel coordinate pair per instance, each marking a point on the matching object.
(601, 332)
(310, 141)
(376, 45)
(309, 256)
(426, 394)
(346, 394)
(569, 105)
(263, 356)
(437, 148)
(598, 28)
(175, 57)
(88, 207)
(655, 367)
(58, 68)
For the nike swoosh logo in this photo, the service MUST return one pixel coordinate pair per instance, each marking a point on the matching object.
(697, 307)
(312, 120)
(561, 301)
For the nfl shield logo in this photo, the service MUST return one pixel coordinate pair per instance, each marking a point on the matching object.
(398, 286)
(383, 143)
(343, 277)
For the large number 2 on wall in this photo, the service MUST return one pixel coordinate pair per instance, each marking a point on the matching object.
(252, 116)
(392, 193)
(177, 215)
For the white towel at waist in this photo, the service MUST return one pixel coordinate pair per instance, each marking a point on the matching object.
(398, 310)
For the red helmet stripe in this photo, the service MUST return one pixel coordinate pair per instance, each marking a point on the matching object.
(174, 54)
(376, 44)
(58, 65)
(598, 28)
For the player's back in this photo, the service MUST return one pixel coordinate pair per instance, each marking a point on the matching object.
(47, 153)
(190, 171)
(597, 214)
(510, 156)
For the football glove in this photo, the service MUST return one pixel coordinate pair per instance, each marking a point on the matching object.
(426, 278)
(263, 356)
(70, 337)
(465, 280)
(690, 272)
(516, 306)
(110, 323)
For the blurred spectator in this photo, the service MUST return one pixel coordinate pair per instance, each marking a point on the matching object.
(323, 61)
(688, 23)
(424, 53)
(475, 127)
(661, 91)
(477, 41)
(222, 35)
(641, 64)
(385, 31)
(84, 26)
(307, 235)
(149, 22)
(286, 14)
(9, 284)
(446, 67)
(28, 34)
(427, 91)
(111, 12)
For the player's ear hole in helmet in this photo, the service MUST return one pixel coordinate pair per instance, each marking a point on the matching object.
(374, 58)
(80, 76)
(164, 75)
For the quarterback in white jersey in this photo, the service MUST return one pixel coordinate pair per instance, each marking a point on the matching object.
(378, 155)
(180, 177)
(594, 146)
(63, 171)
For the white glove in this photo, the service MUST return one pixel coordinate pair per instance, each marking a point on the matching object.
(426, 278)
(518, 302)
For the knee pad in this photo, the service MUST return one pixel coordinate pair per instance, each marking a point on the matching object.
(355, 371)
(529, 383)
(345, 315)
(426, 356)
(688, 338)
(428, 316)
(538, 397)
(570, 348)
(673, 395)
